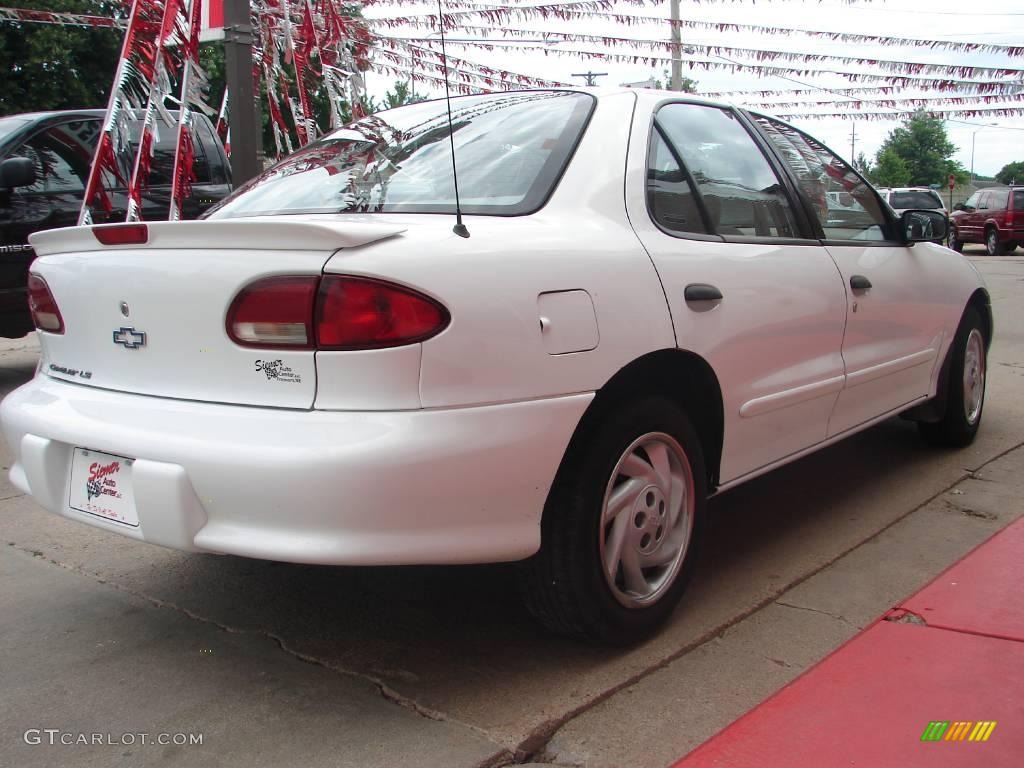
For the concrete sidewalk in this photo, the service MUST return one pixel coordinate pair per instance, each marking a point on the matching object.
(936, 682)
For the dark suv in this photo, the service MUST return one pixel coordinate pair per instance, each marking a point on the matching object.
(994, 217)
(48, 193)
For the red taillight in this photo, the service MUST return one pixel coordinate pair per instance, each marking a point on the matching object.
(275, 312)
(122, 234)
(333, 312)
(42, 306)
(361, 313)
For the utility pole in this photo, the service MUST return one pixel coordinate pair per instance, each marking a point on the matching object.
(853, 144)
(590, 77)
(246, 133)
(677, 49)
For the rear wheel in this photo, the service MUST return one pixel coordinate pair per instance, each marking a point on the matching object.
(965, 387)
(621, 526)
(992, 244)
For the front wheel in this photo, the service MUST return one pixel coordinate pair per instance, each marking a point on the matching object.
(965, 387)
(621, 526)
(954, 242)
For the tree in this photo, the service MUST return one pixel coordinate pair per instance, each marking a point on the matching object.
(890, 170)
(689, 84)
(400, 96)
(1011, 173)
(862, 164)
(44, 66)
(925, 149)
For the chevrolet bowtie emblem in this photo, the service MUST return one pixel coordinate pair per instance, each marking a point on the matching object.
(129, 338)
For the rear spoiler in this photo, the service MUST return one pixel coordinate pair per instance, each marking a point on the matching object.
(268, 233)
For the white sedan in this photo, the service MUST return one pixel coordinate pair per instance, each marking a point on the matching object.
(652, 305)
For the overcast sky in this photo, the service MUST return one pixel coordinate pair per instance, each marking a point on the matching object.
(986, 21)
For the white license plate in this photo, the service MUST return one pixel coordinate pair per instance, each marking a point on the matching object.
(101, 484)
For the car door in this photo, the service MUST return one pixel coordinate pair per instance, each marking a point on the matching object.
(962, 219)
(747, 289)
(977, 217)
(895, 323)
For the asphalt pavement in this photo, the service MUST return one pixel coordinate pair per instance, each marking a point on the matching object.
(275, 664)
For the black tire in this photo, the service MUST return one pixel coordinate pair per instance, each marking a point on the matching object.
(954, 242)
(564, 585)
(958, 426)
(992, 245)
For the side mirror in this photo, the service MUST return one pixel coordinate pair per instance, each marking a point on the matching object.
(959, 207)
(17, 172)
(919, 226)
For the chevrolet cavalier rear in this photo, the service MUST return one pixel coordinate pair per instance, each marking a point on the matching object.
(322, 371)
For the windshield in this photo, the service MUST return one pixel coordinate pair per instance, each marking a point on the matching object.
(9, 125)
(510, 148)
(915, 199)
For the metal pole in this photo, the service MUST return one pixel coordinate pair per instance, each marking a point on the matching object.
(973, 136)
(246, 136)
(677, 49)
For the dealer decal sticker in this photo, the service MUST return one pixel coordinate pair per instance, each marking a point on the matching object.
(276, 370)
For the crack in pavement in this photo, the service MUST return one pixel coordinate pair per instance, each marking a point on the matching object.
(835, 616)
(388, 693)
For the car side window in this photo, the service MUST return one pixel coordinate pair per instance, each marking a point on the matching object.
(999, 198)
(983, 201)
(820, 172)
(62, 160)
(671, 198)
(740, 193)
(62, 155)
(161, 169)
(972, 201)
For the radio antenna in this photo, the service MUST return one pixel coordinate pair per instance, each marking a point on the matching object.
(459, 228)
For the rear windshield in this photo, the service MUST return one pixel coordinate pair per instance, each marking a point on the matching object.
(1018, 199)
(915, 199)
(510, 150)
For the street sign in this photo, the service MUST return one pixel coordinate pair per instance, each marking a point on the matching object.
(952, 181)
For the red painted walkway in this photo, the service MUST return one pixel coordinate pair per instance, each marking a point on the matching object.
(870, 702)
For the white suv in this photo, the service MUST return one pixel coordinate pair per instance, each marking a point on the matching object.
(902, 199)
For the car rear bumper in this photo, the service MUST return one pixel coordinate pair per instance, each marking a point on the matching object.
(463, 485)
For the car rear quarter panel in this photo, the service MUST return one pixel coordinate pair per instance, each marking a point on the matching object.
(494, 349)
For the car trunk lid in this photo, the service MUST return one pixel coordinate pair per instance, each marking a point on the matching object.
(150, 319)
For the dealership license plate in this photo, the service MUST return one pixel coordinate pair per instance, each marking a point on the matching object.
(101, 484)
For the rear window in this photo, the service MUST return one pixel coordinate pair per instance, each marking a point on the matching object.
(1018, 199)
(510, 150)
(915, 199)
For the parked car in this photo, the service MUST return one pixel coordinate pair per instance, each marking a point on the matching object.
(902, 199)
(48, 192)
(994, 217)
(650, 307)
